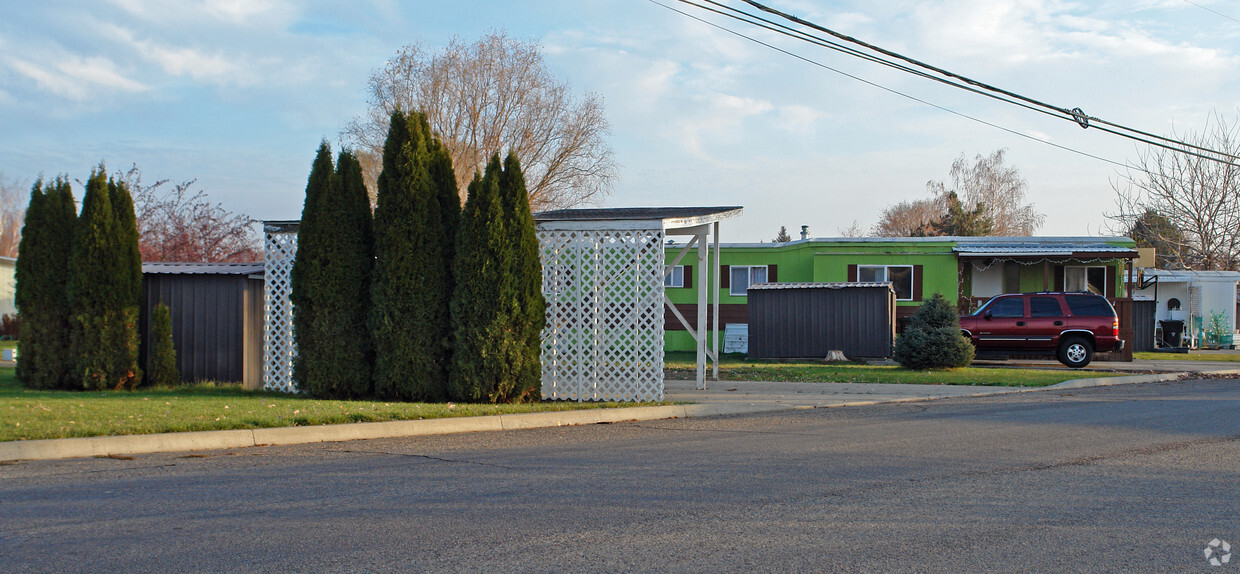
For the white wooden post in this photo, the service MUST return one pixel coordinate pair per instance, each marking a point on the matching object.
(703, 290)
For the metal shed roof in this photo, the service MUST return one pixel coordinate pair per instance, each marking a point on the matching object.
(823, 285)
(202, 268)
(1042, 248)
(667, 217)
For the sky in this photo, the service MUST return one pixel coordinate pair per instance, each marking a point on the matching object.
(237, 94)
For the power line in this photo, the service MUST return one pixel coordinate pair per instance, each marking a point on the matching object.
(928, 71)
(885, 88)
(1075, 114)
(1211, 10)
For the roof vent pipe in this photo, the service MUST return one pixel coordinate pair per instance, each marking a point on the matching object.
(804, 232)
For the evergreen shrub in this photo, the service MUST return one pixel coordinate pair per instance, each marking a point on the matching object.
(161, 368)
(932, 339)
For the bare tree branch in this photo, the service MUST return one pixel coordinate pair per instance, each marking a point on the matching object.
(12, 215)
(998, 188)
(180, 224)
(490, 97)
(1200, 199)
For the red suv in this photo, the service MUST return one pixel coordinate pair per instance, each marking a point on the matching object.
(1069, 325)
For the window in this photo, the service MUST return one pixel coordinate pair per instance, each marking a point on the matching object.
(1089, 279)
(1044, 307)
(900, 276)
(1086, 306)
(1007, 307)
(742, 276)
(676, 278)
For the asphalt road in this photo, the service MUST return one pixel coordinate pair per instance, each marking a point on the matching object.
(1133, 478)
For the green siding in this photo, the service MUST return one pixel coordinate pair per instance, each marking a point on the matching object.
(828, 261)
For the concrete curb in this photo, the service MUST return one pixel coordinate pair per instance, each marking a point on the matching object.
(51, 449)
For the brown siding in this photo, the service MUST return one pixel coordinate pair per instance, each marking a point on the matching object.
(728, 313)
(209, 315)
(810, 322)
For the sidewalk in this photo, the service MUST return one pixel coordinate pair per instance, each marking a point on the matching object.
(720, 398)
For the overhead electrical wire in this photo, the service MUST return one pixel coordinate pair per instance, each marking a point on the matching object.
(1074, 114)
(1208, 9)
(946, 77)
(891, 90)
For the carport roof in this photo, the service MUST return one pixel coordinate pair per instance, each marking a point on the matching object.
(667, 217)
(183, 268)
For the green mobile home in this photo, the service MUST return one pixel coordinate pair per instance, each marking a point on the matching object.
(968, 269)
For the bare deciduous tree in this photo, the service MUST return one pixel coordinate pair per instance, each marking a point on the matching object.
(1199, 197)
(909, 218)
(12, 214)
(998, 188)
(180, 224)
(490, 97)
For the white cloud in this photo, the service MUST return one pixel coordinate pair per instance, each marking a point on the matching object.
(182, 61)
(798, 118)
(74, 77)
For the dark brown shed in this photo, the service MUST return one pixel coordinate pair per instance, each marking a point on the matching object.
(808, 320)
(217, 318)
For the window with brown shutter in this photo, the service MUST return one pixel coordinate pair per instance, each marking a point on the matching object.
(852, 273)
(771, 275)
(725, 277)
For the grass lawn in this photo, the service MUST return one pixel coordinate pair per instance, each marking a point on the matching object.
(739, 368)
(1155, 356)
(28, 415)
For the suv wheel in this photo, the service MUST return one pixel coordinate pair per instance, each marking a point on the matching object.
(1075, 352)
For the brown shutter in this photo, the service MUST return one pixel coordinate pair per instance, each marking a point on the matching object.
(688, 282)
(725, 276)
(1110, 279)
(1058, 284)
(772, 275)
(917, 282)
(852, 273)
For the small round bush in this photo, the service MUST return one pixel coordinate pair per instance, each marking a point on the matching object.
(932, 339)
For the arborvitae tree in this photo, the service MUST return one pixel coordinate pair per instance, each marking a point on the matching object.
(42, 274)
(104, 327)
(307, 272)
(331, 282)
(127, 234)
(410, 290)
(932, 339)
(161, 361)
(522, 295)
(480, 365)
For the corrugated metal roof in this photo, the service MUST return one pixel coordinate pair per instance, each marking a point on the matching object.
(670, 216)
(1034, 248)
(824, 285)
(185, 268)
(632, 213)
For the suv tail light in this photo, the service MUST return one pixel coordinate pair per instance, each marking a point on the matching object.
(1115, 327)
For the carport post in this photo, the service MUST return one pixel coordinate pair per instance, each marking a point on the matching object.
(703, 289)
(715, 303)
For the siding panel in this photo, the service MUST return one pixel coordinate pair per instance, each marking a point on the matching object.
(809, 321)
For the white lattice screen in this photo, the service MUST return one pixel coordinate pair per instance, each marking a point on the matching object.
(604, 333)
(280, 247)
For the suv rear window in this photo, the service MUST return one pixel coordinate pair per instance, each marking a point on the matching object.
(1089, 306)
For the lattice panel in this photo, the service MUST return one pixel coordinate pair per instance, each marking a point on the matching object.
(604, 335)
(278, 349)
